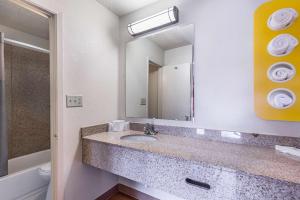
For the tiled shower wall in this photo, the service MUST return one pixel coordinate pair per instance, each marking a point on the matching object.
(27, 100)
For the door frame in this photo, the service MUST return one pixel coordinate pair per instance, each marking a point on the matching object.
(56, 92)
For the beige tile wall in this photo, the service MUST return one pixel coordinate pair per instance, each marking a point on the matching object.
(28, 100)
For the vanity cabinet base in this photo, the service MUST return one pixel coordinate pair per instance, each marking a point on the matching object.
(186, 179)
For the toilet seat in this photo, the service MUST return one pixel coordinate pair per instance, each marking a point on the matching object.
(45, 171)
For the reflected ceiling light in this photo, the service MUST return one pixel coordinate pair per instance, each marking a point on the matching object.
(154, 22)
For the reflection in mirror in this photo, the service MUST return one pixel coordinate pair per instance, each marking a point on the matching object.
(159, 75)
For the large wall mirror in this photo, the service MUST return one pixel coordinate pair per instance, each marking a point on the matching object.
(159, 75)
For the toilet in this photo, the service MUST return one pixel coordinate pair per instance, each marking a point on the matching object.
(45, 173)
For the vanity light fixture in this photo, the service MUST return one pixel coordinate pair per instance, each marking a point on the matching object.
(154, 22)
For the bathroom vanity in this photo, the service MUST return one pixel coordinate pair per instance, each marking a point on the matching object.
(195, 168)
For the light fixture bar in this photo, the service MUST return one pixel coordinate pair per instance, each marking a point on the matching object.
(154, 22)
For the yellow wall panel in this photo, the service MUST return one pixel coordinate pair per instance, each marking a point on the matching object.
(263, 60)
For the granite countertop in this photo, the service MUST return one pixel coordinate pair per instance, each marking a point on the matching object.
(249, 159)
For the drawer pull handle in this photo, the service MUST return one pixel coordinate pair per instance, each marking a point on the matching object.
(197, 183)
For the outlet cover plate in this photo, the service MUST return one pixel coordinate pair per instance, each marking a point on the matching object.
(74, 101)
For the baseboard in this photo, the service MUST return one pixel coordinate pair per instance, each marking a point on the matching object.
(119, 188)
(111, 192)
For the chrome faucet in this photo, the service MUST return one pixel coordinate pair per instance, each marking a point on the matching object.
(149, 129)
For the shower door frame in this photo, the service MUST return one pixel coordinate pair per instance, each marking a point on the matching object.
(3, 126)
(56, 88)
(56, 104)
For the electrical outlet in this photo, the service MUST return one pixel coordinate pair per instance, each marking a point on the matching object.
(74, 101)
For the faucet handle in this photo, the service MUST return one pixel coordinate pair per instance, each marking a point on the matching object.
(149, 129)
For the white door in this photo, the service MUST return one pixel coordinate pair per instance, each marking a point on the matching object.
(176, 92)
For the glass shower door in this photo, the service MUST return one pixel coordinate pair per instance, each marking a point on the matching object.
(3, 130)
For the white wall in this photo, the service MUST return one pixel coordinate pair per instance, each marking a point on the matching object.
(20, 36)
(90, 68)
(138, 54)
(223, 64)
(179, 55)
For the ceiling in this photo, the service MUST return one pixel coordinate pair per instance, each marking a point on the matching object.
(19, 18)
(174, 37)
(123, 7)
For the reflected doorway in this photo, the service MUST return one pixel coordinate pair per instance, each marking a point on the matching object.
(153, 90)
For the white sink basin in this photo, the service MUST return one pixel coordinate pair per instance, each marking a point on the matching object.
(139, 138)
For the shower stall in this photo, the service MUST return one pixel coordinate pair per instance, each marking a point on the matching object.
(24, 119)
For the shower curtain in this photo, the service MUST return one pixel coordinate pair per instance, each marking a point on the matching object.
(3, 131)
